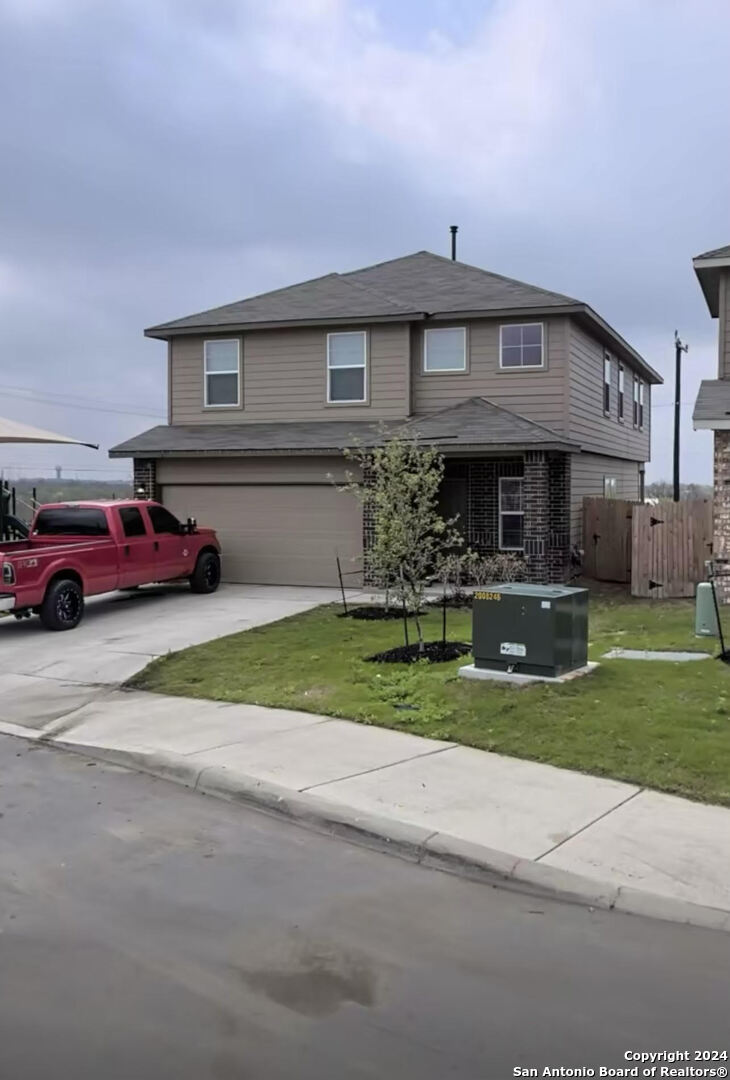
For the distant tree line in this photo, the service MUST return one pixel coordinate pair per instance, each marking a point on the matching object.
(662, 489)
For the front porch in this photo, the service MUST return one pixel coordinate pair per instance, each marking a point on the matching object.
(518, 503)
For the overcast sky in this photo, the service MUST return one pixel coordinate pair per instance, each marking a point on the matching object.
(163, 157)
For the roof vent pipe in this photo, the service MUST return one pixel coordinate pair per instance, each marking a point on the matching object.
(454, 230)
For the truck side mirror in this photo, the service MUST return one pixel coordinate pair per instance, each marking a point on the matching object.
(191, 525)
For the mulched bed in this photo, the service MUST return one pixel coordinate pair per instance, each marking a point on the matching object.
(436, 652)
(454, 603)
(371, 612)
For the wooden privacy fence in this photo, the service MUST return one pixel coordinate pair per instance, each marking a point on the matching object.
(661, 549)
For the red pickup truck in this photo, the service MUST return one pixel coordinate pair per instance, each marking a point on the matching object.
(75, 550)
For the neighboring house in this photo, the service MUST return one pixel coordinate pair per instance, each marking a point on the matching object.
(712, 408)
(534, 400)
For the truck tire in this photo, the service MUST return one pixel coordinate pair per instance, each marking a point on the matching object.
(206, 577)
(63, 605)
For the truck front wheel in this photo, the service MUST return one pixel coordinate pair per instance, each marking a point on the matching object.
(63, 605)
(206, 577)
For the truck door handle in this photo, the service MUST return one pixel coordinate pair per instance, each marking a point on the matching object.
(157, 545)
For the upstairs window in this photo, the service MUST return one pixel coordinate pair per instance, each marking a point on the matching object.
(521, 345)
(222, 361)
(620, 392)
(607, 384)
(445, 349)
(635, 414)
(511, 514)
(347, 368)
(641, 404)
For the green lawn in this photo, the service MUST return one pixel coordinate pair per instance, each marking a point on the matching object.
(664, 725)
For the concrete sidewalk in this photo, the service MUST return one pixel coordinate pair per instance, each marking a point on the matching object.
(600, 841)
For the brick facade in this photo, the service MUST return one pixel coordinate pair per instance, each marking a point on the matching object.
(721, 508)
(145, 478)
(546, 498)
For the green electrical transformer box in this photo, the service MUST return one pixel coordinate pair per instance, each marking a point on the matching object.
(532, 629)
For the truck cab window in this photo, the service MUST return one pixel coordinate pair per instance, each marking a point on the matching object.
(132, 521)
(163, 521)
(71, 521)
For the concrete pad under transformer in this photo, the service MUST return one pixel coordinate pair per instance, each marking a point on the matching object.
(515, 678)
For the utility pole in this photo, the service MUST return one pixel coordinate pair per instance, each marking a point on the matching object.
(679, 348)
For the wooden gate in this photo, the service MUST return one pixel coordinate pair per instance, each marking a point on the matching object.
(669, 545)
(607, 538)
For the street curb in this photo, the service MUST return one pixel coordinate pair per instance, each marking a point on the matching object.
(433, 850)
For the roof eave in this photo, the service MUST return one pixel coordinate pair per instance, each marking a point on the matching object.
(626, 351)
(165, 332)
(708, 275)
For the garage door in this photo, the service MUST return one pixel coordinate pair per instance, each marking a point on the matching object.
(276, 534)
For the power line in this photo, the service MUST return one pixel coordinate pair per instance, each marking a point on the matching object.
(48, 398)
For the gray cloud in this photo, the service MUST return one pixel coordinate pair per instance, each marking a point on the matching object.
(162, 158)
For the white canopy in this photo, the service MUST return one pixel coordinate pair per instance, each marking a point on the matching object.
(13, 432)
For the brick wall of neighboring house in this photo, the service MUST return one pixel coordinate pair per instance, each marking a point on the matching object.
(145, 478)
(721, 509)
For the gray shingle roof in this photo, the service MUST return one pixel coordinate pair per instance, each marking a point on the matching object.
(473, 423)
(712, 406)
(412, 285)
(716, 253)
(479, 422)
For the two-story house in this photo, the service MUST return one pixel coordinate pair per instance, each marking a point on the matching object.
(534, 400)
(712, 408)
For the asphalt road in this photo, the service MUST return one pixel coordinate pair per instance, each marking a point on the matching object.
(148, 932)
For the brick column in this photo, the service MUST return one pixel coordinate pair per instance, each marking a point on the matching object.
(721, 509)
(368, 524)
(145, 478)
(558, 552)
(536, 498)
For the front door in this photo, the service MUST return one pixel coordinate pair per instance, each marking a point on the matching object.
(172, 545)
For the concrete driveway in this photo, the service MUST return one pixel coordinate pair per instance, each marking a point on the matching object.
(46, 675)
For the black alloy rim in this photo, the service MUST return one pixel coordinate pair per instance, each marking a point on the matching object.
(68, 605)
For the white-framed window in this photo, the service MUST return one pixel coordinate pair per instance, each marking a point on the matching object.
(511, 514)
(641, 404)
(610, 487)
(222, 373)
(521, 345)
(347, 367)
(635, 413)
(444, 349)
(620, 391)
(607, 384)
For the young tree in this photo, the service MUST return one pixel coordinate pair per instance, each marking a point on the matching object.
(411, 538)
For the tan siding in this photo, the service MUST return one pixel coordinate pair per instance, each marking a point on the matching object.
(537, 394)
(586, 478)
(724, 335)
(285, 378)
(255, 470)
(588, 424)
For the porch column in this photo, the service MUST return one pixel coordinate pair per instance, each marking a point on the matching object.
(368, 525)
(558, 554)
(536, 522)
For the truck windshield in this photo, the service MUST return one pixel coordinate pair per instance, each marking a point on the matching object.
(71, 521)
